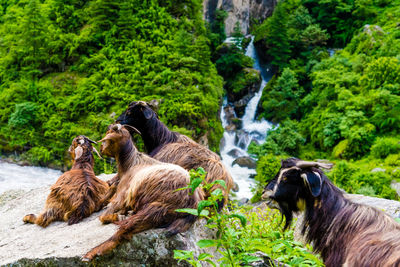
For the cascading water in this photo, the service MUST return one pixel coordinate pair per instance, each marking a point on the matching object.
(235, 145)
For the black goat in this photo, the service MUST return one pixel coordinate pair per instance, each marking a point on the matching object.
(344, 232)
(172, 147)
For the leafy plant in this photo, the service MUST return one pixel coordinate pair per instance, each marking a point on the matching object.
(240, 232)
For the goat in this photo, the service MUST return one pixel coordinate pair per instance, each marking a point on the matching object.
(77, 193)
(172, 147)
(343, 232)
(147, 190)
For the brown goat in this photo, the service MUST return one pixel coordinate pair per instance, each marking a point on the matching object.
(344, 232)
(147, 190)
(172, 147)
(77, 193)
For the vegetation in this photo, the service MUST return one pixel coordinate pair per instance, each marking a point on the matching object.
(241, 232)
(66, 67)
(344, 107)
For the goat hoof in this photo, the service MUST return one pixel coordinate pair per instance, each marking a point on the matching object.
(85, 259)
(30, 218)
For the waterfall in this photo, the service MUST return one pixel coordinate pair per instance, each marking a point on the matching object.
(235, 143)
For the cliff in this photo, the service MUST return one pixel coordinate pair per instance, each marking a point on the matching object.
(242, 11)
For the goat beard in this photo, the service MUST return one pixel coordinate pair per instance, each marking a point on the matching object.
(287, 213)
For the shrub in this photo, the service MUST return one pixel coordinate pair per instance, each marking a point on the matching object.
(384, 146)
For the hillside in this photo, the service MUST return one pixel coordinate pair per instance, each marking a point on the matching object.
(336, 92)
(68, 68)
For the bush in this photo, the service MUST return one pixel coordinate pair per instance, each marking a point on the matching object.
(384, 146)
(25, 115)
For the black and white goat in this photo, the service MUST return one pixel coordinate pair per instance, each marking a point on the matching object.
(344, 232)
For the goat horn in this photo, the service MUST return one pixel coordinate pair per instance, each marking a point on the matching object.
(134, 129)
(97, 152)
(307, 164)
(91, 141)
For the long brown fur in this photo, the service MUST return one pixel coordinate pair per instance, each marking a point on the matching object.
(344, 232)
(76, 194)
(172, 147)
(147, 190)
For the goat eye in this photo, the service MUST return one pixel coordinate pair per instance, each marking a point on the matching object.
(284, 179)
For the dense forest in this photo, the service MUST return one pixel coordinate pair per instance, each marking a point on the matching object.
(336, 94)
(70, 67)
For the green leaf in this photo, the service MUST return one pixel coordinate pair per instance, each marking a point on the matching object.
(204, 213)
(220, 182)
(205, 243)
(195, 183)
(204, 256)
(241, 217)
(190, 211)
(204, 203)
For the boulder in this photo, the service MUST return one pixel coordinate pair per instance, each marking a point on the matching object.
(245, 162)
(378, 170)
(235, 153)
(63, 245)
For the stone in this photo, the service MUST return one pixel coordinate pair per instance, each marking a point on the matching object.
(243, 201)
(235, 187)
(378, 170)
(245, 162)
(235, 153)
(396, 186)
(63, 245)
(230, 128)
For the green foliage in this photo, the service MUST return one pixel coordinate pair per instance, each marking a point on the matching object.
(384, 146)
(281, 101)
(65, 67)
(25, 115)
(359, 178)
(240, 232)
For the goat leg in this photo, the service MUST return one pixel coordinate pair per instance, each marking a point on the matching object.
(134, 224)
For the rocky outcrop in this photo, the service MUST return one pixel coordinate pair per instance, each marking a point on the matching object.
(62, 245)
(245, 162)
(242, 11)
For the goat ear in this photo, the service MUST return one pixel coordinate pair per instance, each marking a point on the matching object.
(313, 181)
(78, 152)
(148, 113)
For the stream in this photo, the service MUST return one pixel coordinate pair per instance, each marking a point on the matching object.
(234, 144)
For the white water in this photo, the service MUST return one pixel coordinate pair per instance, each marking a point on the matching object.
(255, 130)
(15, 177)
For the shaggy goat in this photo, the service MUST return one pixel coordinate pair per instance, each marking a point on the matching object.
(344, 232)
(77, 193)
(147, 190)
(172, 147)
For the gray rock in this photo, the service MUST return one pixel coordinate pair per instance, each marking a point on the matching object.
(243, 201)
(396, 186)
(62, 245)
(245, 162)
(378, 170)
(235, 187)
(235, 153)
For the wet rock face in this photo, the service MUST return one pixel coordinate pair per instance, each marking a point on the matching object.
(62, 245)
(245, 162)
(242, 11)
